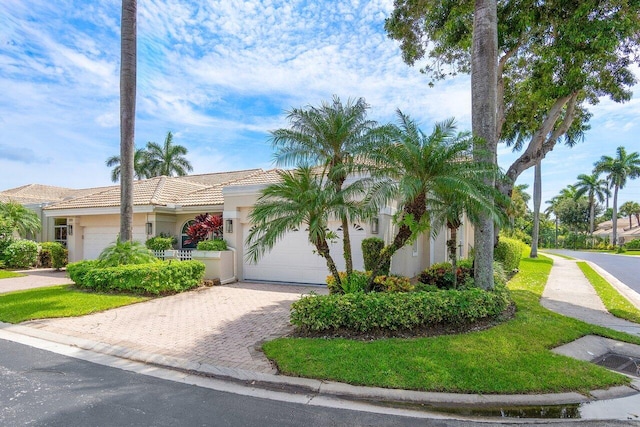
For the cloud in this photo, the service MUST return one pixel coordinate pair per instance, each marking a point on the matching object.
(20, 155)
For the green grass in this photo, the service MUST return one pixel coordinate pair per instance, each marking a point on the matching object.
(513, 357)
(6, 274)
(57, 301)
(615, 303)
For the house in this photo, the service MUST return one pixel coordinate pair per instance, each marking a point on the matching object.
(625, 232)
(90, 219)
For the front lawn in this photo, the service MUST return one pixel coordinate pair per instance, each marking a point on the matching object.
(57, 301)
(510, 358)
(6, 274)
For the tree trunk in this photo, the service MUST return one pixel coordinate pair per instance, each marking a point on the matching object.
(346, 247)
(484, 82)
(614, 217)
(537, 200)
(592, 214)
(451, 244)
(128, 60)
(323, 249)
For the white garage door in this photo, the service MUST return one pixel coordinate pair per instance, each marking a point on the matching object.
(98, 238)
(293, 258)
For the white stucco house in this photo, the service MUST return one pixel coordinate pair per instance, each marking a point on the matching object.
(87, 220)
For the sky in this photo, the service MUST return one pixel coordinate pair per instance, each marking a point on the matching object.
(220, 75)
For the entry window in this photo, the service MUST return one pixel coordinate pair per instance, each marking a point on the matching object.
(184, 237)
(60, 231)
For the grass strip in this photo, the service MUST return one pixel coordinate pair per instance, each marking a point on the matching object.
(6, 274)
(513, 357)
(615, 303)
(57, 301)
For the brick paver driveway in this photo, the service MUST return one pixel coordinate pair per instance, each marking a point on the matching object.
(36, 278)
(219, 326)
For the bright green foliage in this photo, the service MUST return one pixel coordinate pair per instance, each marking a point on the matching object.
(124, 253)
(508, 252)
(167, 159)
(57, 301)
(54, 253)
(212, 245)
(362, 312)
(4, 274)
(164, 277)
(159, 243)
(21, 254)
(392, 284)
(141, 167)
(78, 270)
(357, 282)
(633, 245)
(371, 248)
(15, 217)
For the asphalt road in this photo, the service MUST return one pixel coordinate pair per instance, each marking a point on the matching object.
(623, 267)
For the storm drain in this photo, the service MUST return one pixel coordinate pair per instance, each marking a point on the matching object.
(619, 363)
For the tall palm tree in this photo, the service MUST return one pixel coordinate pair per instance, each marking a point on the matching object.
(167, 159)
(128, 66)
(18, 218)
(302, 198)
(595, 189)
(630, 209)
(335, 136)
(426, 172)
(618, 169)
(140, 165)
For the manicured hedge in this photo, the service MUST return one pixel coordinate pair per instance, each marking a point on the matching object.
(362, 312)
(634, 244)
(212, 245)
(152, 278)
(508, 252)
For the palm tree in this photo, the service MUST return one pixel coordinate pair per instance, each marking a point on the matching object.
(630, 209)
(168, 158)
(140, 165)
(594, 188)
(300, 199)
(427, 172)
(18, 218)
(618, 169)
(335, 136)
(128, 58)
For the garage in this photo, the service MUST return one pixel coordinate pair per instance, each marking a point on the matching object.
(293, 258)
(95, 239)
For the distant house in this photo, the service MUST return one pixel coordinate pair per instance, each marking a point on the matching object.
(625, 233)
(87, 220)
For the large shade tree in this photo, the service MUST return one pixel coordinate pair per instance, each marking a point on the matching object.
(168, 159)
(618, 169)
(335, 136)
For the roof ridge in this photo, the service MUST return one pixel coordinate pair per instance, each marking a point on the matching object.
(258, 171)
(158, 191)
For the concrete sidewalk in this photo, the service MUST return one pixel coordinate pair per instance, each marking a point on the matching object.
(568, 292)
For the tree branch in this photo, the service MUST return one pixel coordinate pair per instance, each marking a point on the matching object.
(501, 115)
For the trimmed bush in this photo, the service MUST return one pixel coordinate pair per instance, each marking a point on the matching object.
(508, 252)
(159, 243)
(156, 278)
(358, 283)
(5, 242)
(362, 312)
(371, 248)
(53, 254)
(212, 245)
(21, 254)
(392, 284)
(633, 245)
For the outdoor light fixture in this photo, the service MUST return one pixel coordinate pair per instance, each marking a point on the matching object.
(149, 227)
(374, 226)
(228, 226)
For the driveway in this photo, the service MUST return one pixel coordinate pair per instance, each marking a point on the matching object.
(223, 325)
(36, 278)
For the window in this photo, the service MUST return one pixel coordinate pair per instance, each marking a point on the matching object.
(184, 237)
(60, 231)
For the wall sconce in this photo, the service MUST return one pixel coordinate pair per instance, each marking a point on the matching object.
(228, 226)
(375, 225)
(69, 230)
(149, 228)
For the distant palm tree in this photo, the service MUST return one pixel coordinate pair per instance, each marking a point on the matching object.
(18, 218)
(630, 209)
(140, 165)
(618, 169)
(168, 158)
(594, 188)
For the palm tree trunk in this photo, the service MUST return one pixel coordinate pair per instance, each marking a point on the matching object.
(323, 249)
(452, 254)
(484, 78)
(537, 200)
(127, 115)
(592, 214)
(346, 247)
(614, 217)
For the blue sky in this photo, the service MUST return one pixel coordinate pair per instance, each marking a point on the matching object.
(220, 75)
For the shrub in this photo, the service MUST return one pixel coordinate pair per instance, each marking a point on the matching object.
(392, 284)
(125, 253)
(358, 283)
(159, 243)
(21, 254)
(155, 278)
(441, 275)
(53, 254)
(371, 248)
(331, 283)
(212, 245)
(78, 270)
(633, 245)
(5, 242)
(362, 312)
(508, 252)
(500, 277)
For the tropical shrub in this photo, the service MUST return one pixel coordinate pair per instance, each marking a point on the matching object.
(357, 282)
(5, 241)
(78, 270)
(204, 227)
(157, 278)
(21, 254)
(392, 284)
(633, 245)
(124, 253)
(440, 275)
(212, 245)
(371, 248)
(53, 254)
(376, 311)
(508, 252)
(159, 243)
